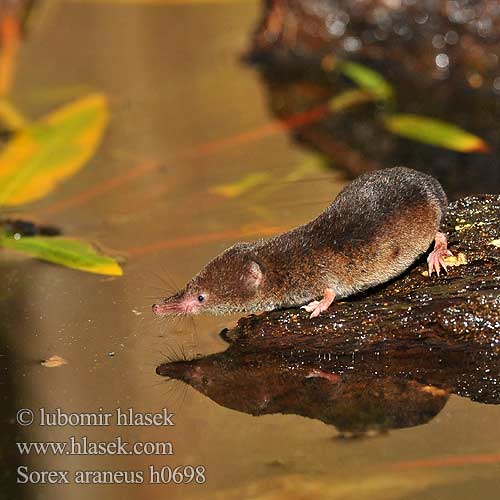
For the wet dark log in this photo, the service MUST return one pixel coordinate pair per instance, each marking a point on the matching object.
(462, 306)
(28, 228)
(388, 359)
(442, 59)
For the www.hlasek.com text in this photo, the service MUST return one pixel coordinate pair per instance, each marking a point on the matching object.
(84, 446)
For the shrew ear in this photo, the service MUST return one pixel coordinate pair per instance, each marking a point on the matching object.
(253, 275)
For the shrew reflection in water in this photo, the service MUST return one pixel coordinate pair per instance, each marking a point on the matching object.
(390, 385)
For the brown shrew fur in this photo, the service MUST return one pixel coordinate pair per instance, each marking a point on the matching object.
(373, 231)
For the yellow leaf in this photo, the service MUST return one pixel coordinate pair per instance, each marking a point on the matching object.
(11, 116)
(309, 168)
(436, 132)
(235, 189)
(50, 150)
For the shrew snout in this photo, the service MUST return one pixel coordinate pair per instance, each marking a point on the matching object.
(157, 308)
(180, 303)
(170, 305)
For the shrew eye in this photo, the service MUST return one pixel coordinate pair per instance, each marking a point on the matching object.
(201, 298)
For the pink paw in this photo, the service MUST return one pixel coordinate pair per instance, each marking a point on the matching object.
(435, 260)
(311, 306)
(317, 307)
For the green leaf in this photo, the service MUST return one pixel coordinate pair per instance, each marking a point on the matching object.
(243, 185)
(64, 251)
(45, 153)
(367, 79)
(435, 132)
(348, 99)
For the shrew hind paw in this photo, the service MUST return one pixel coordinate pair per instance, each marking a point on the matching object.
(435, 260)
(317, 307)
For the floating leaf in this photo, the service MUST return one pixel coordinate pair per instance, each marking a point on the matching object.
(435, 132)
(235, 189)
(64, 251)
(54, 361)
(367, 79)
(309, 168)
(348, 99)
(11, 116)
(45, 153)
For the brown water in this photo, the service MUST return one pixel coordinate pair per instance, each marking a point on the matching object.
(174, 80)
